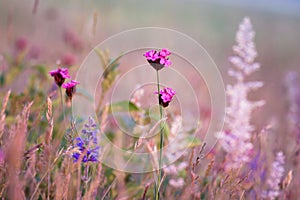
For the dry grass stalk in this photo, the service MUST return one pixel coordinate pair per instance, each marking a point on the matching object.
(92, 191)
(209, 167)
(2, 114)
(287, 180)
(49, 116)
(15, 154)
(145, 191)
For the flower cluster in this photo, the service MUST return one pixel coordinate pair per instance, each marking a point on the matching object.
(276, 175)
(60, 75)
(158, 59)
(173, 171)
(86, 147)
(236, 140)
(165, 96)
(292, 82)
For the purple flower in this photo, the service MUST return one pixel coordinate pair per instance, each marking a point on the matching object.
(236, 139)
(151, 55)
(158, 59)
(86, 146)
(165, 96)
(88, 155)
(70, 88)
(276, 175)
(164, 53)
(60, 75)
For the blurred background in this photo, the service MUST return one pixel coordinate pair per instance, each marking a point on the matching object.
(68, 30)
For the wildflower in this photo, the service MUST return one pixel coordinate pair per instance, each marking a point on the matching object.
(158, 59)
(277, 172)
(73, 40)
(86, 146)
(70, 88)
(68, 59)
(21, 44)
(165, 96)
(90, 155)
(177, 183)
(60, 75)
(236, 140)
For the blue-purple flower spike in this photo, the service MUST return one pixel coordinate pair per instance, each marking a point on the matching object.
(86, 145)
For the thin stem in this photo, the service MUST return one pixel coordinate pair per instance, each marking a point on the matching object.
(62, 105)
(160, 144)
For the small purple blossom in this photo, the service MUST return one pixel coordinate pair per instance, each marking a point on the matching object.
(274, 180)
(88, 155)
(70, 88)
(86, 146)
(158, 59)
(236, 138)
(60, 75)
(165, 96)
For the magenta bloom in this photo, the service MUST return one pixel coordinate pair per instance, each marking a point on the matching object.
(60, 75)
(165, 96)
(158, 59)
(70, 88)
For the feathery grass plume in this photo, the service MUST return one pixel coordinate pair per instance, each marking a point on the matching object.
(276, 174)
(15, 154)
(49, 117)
(292, 82)
(2, 114)
(235, 140)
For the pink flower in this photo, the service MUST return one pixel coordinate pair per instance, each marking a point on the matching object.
(165, 96)
(72, 39)
(68, 59)
(21, 44)
(60, 75)
(158, 59)
(151, 55)
(70, 88)
(164, 53)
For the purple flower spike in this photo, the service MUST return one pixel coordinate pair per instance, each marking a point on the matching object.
(165, 96)
(60, 75)
(70, 88)
(86, 146)
(158, 59)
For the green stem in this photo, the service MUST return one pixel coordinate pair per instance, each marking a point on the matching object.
(157, 197)
(62, 104)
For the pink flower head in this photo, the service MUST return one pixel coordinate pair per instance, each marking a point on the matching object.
(68, 59)
(60, 75)
(164, 53)
(158, 59)
(21, 44)
(70, 88)
(151, 55)
(165, 96)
